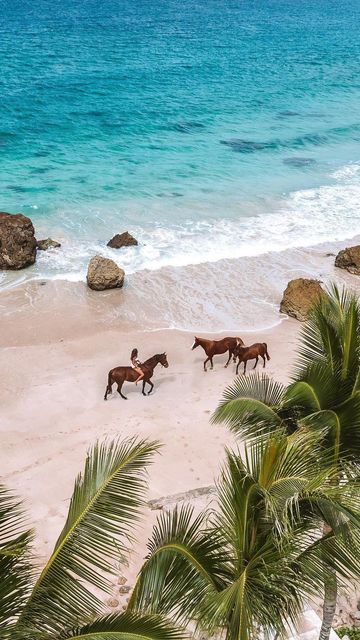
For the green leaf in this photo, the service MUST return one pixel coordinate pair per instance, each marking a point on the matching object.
(104, 507)
(15, 569)
(127, 626)
(181, 566)
(250, 406)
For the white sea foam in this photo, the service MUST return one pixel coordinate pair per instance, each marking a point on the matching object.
(302, 219)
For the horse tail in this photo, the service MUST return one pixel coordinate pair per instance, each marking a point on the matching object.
(109, 385)
(239, 342)
(266, 351)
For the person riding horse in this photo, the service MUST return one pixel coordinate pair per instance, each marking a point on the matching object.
(136, 364)
(119, 375)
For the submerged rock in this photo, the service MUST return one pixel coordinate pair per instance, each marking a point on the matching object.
(349, 259)
(103, 274)
(288, 114)
(299, 297)
(17, 241)
(299, 162)
(247, 146)
(48, 243)
(122, 240)
(188, 126)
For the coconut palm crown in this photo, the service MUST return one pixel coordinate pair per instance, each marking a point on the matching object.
(247, 566)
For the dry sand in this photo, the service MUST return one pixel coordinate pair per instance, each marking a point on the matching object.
(55, 356)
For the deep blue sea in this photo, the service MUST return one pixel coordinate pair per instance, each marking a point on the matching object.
(208, 128)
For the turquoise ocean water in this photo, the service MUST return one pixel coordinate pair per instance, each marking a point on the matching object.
(208, 128)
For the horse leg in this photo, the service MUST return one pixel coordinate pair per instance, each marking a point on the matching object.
(120, 384)
(256, 361)
(151, 385)
(205, 361)
(230, 354)
(109, 386)
(143, 387)
(245, 363)
(107, 391)
(263, 357)
(211, 363)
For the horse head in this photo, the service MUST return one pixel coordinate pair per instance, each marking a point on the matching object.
(239, 349)
(163, 360)
(196, 343)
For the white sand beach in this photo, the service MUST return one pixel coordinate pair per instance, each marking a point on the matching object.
(54, 374)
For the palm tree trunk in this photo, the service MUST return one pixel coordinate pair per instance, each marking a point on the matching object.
(329, 607)
(330, 598)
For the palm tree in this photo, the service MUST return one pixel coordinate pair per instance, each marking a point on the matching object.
(248, 567)
(324, 396)
(62, 603)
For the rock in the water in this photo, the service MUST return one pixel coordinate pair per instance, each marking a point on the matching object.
(104, 274)
(122, 240)
(17, 241)
(299, 297)
(48, 243)
(349, 259)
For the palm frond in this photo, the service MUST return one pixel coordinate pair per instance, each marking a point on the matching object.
(15, 569)
(183, 563)
(251, 405)
(332, 335)
(340, 427)
(105, 504)
(127, 626)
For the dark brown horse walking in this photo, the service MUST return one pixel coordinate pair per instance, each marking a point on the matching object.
(216, 347)
(251, 353)
(119, 375)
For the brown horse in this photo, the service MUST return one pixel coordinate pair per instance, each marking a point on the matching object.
(251, 353)
(121, 374)
(216, 347)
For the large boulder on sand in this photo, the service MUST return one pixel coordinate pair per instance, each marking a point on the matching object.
(349, 259)
(17, 241)
(48, 243)
(122, 240)
(103, 274)
(300, 296)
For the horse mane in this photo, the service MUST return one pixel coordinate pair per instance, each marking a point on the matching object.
(156, 356)
(200, 340)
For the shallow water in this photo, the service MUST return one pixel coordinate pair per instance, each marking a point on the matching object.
(210, 130)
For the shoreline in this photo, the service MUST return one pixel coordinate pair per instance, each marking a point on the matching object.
(229, 295)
